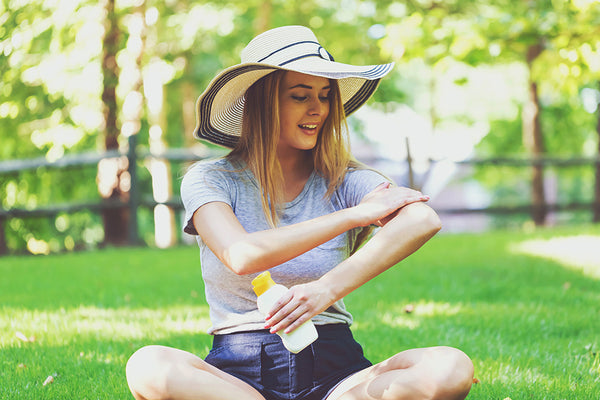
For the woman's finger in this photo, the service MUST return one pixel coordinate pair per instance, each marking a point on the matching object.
(288, 314)
(284, 317)
(302, 318)
(381, 186)
(279, 304)
(282, 314)
(290, 321)
(305, 301)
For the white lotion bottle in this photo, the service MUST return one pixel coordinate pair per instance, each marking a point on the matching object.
(268, 293)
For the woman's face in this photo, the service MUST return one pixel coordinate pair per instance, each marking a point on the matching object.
(303, 109)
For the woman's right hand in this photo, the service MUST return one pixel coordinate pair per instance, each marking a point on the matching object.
(380, 204)
(298, 305)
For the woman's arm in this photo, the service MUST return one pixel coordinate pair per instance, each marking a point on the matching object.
(406, 232)
(245, 253)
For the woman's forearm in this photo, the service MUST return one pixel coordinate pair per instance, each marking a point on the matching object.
(259, 251)
(412, 227)
(406, 232)
(273, 247)
(246, 253)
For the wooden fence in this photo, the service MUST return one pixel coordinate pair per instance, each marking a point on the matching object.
(138, 200)
(557, 162)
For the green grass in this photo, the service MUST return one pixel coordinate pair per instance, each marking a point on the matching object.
(531, 325)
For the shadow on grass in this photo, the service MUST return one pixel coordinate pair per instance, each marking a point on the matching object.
(85, 368)
(529, 324)
(89, 312)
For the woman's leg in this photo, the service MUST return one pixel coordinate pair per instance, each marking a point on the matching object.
(428, 373)
(159, 372)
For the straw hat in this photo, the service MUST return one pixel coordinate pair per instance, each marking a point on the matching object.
(291, 48)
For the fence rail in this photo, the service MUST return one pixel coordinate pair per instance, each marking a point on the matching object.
(138, 200)
(533, 161)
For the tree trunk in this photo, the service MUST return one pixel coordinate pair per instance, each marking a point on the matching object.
(113, 182)
(263, 20)
(534, 140)
(596, 217)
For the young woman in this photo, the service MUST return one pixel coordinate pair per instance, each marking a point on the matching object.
(290, 199)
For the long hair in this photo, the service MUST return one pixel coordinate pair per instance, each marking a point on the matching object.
(260, 134)
(258, 141)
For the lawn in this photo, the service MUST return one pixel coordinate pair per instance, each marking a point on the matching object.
(528, 315)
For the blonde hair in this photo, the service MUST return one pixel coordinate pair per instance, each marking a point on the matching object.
(260, 135)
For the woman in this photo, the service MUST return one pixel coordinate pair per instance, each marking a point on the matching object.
(290, 199)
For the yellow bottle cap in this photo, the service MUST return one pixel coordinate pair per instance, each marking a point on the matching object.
(262, 283)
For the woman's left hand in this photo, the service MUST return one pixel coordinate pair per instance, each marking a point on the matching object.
(298, 305)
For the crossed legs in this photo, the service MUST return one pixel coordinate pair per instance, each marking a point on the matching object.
(158, 372)
(161, 373)
(426, 373)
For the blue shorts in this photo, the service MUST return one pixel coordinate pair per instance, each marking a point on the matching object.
(259, 359)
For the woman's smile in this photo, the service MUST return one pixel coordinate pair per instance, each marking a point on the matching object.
(303, 108)
(309, 129)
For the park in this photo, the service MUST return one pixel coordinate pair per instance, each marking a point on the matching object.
(492, 109)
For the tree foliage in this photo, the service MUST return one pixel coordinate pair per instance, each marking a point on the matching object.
(52, 81)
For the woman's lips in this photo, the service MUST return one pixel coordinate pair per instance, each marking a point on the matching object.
(309, 128)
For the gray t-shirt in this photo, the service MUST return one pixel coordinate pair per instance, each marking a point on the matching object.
(230, 297)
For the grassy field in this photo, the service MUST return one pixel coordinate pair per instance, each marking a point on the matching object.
(530, 323)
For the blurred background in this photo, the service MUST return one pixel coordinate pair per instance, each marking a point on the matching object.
(492, 108)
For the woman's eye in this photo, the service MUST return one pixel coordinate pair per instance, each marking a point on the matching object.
(299, 98)
(324, 98)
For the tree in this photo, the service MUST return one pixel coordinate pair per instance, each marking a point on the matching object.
(112, 173)
(533, 137)
(542, 33)
(136, 68)
(48, 107)
(536, 34)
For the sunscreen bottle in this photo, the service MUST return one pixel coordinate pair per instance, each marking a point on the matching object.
(268, 293)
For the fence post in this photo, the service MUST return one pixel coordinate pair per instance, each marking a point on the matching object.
(596, 199)
(3, 246)
(409, 160)
(134, 192)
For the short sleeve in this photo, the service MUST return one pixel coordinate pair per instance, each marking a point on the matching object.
(203, 183)
(357, 184)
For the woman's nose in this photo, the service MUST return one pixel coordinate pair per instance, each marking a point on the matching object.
(316, 107)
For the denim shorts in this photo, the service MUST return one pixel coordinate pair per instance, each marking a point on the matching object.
(259, 359)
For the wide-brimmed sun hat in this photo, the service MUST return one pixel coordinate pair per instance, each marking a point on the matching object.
(291, 48)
